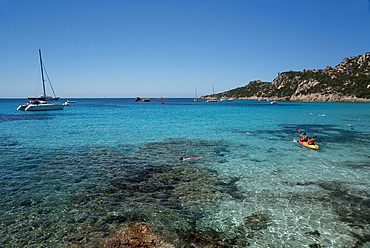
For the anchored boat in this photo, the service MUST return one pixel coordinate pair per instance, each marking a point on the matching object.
(43, 102)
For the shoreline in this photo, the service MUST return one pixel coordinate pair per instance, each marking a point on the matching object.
(298, 99)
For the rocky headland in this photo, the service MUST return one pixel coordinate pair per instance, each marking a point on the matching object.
(349, 81)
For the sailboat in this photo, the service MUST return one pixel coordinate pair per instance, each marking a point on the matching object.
(212, 99)
(196, 97)
(43, 102)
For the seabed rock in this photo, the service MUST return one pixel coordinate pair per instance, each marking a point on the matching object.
(313, 233)
(136, 234)
(257, 221)
(315, 246)
(208, 239)
(140, 234)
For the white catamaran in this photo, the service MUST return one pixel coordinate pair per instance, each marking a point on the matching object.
(42, 102)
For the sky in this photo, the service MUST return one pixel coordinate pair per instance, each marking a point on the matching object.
(171, 48)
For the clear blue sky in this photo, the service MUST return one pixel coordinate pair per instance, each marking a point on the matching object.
(122, 48)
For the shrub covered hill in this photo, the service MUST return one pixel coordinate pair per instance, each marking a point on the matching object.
(347, 82)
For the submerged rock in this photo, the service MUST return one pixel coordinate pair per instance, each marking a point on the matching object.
(315, 246)
(26, 203)
(313, 233)
(203, 240)
(151, 185)
(140, 234)
(136, 234)
(257, 221)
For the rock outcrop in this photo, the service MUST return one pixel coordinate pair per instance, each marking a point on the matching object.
(140, 234)
(347, 82)
(138, 99)
(136, 234)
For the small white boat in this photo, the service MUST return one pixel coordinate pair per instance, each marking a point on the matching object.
(43, 102)
(224, 98)
(70, 101)
(273, 102)
(66, 103)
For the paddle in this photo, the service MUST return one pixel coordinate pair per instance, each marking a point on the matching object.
(298, 130)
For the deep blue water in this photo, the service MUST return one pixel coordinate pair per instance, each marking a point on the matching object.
(75, 176)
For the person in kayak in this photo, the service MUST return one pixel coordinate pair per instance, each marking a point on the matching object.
(304, 137)
(311, 141)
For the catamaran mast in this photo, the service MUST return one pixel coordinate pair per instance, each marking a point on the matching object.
(42, 74)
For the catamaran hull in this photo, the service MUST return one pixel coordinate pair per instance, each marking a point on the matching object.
(40, 107)
(22, 107)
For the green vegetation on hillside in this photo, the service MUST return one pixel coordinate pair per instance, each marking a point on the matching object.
(350, 78)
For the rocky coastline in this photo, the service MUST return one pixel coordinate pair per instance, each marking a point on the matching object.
(305, 98)
(349, 81)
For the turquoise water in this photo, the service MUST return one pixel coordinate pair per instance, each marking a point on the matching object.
(74, 177)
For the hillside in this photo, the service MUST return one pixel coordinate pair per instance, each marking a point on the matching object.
(347, 82)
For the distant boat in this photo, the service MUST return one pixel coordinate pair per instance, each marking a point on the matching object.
(224, 98)
(42, 103)
(68, 102)
(212, 99)
(196, 97)
(273, 102)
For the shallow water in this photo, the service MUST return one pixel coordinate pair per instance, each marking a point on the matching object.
(76, 176)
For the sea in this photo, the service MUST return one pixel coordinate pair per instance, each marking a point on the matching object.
(76, 176)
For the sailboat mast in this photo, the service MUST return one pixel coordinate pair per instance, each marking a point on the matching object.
(42, 74)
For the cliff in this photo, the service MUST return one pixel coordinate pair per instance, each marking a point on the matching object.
(347, 82)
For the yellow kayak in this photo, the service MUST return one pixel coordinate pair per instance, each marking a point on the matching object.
(307, 145)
